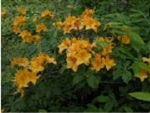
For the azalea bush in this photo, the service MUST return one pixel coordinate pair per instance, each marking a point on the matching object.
(75, 58)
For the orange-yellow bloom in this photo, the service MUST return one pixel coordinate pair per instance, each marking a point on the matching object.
(21, 11)
(142, 75)
(47, 13)
(58, 24)
(3, 11)
(24, 62)
(146, 60)
(108, 62)
(15, 29)
(87, 13)
(83, 57)
(64, 45)
(71, 63)
(23, 77)
(35, 38)
(19, 20)
(37, 63)
(125, 39)
(41, 27)
(90, 23)
(26, 36)
(97, 63)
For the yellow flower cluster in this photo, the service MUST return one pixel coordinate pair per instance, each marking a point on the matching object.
(30, 70)
(40, 27)
(85, 20)
(80, 52)
(102, 59)
(21, 11)
(28, 37)
(143, 73)
(124, 39)
(47, 13)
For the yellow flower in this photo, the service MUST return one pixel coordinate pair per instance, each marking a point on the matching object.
(71, 63)
(87, 13)
(97, 63)
(40, 27)
(23, 77)
(105, 43)
(19, 20)
(3, 11)
(36, 64)
(21, 11)
(64, 45)
(90, 23)
(26, 36)
(24, 62)
(47, 59)
(35, 38)
(146, 60)
(47, 13)
(108, 62)
(83, 57)
(142, 75)
(58, 24)
(15, 29)
(125, 39)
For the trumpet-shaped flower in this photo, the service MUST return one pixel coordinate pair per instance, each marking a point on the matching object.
(108, 62)
(97, 63)
(19, 20)
(15, 29)
(26, 36)
(146, 60)
(23, 77)
(64, 45)
(41, 27)
(71, 63)
(24, 62)
(47, 13)
(83, 57)
(87, 13)
(142, 75)
(125, 39)
(21, 11)
(35, 38)
(58, 24)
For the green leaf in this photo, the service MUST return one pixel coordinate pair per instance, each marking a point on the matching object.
(93, 81)
(77, 79)
(135, 67)
(127, 109)
(144, 66)
(108, 106)
(145, 96)
(126, 76)
(102, 99)
(42, 110)
(136, 40)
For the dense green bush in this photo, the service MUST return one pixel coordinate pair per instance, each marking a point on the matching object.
(116, 67)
